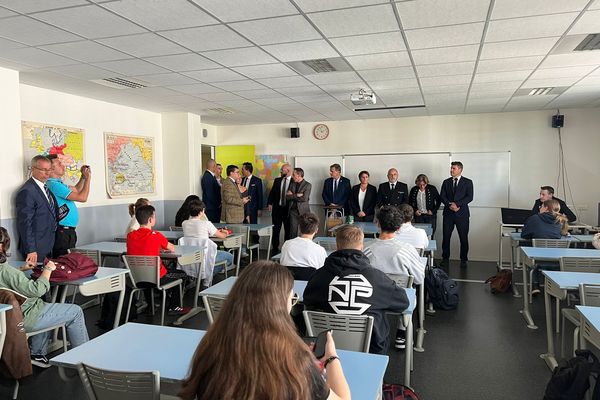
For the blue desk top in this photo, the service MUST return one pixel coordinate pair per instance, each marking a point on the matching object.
(5, 307)
(553, 254)
(516, 236)
(170, 235)
(592, 314)
(117, 248)
(584, 238)
(253, 227)
(364, 372)
(102, 273)
(571, 280)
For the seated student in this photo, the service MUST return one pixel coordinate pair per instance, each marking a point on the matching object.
(184, 211)
(347, 284)
(133, 224)
(547, 193)
(36, 313)
(302, 251)
(253, 342)
(199, 227)
(408, 233)
(147, 242)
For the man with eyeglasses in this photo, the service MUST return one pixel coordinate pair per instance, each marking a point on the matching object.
(37, 213)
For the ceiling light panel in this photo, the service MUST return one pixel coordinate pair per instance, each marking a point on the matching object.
(529, 27)
(143, 45)
(33, 33)
(240, 57)
(206, 38)
(297, 51)
(354, 21)
(454, 35)
(277, 30)
(418, 14)
(86, 51)
(235, 10)
(183, 62)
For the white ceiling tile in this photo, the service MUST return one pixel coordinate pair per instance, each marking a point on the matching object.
(383, 74)
(565, 72)
(6, 13)
(351, 87)
(277, 30)
(518, 48)
(460, 68)
(355, 21)
(36, 58)
(131, 67)
(405, 100)
(288, 81)
(529, 27)
(153, 14)
(240, 57)
(320, 5)
(590, 80)
(143, 45)
(368, 44)
(395, 94)
(265, 71)
(334, 77)
(207, 38)
(157, 92)
(496, 101)
(90, 21)
(588, 23)
(168, 79)
(508, 64)
(375, 114)
(518, 8)
(446, 54)
(549, 82)
(31, 32)
(219, 97)
(453, 35)
(444, 89)
(419, 14)
(275, 101)
(16, 66)
(82, 71)
(10, 44)
(258, 94)
(234, 10)
(502, 76)
(495, 86)
(183, 62)
(195, 89)
(409, 112)
(449, 98)
(215, 75)
(239, 85)
(297, 51)
(302, 90)
(29, 6)
(595, 5)
(382, 60)
(590, 85)
(445, 80)
(481, 93)
(393, 84)
(486, 108)
(86, 51)
(572, 59)
(529, 100)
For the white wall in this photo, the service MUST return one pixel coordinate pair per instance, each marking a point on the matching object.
(528, 135)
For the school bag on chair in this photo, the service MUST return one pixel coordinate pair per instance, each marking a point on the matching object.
(442, 290)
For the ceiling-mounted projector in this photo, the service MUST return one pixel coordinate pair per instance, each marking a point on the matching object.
(363, 98)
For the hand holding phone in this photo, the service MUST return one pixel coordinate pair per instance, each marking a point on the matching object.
(320, 345)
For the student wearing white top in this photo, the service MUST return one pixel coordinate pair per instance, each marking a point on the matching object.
(408, 233)
(133, 224)
(199, 227)
(302, 251)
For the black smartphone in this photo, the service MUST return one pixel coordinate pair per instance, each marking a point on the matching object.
(320, 343)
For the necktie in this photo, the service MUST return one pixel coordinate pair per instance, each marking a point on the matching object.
(335, 183)
(50, 201)
(283, 192)
(455, 184)
(393, 185)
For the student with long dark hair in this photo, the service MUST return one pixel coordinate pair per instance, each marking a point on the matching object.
(183, 214)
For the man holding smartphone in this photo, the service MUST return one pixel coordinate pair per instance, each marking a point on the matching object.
(66, 196)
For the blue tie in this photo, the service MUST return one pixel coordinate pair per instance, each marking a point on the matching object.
(51, 202)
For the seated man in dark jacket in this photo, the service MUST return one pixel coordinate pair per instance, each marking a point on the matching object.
(372, 292)
(547, 193)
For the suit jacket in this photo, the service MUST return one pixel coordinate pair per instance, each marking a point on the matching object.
(369, 203)
(462, 197)
(432, 198)
(299, 203)
(275, 194)
(340, 197)
(211, 191)
(385, 196)
(233, 206)
(255, 191)
(563, 209)
(36, 223)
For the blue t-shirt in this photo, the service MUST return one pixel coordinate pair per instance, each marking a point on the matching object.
(67, 210)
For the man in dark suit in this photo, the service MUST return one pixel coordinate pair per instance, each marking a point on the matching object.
(277, 204)
(298, 196)
(547, 193)
(211, 192)
(456, 194)
(254, 190)
(392, 192)
(37, 213)
(336, 189)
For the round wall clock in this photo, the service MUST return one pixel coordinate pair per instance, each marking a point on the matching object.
(320, 131)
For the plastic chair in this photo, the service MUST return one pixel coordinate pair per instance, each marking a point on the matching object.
(213, 306)
(590, 296)
(351, 332)
(329, 245)
(243, 230)
(302, 273)
(547, 243)
(147, 269)
(175, 228)
(234, 244)
(262, 232)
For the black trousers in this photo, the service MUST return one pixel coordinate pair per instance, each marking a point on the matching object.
(462, 227)
(213, 215)
(427, 219)
(64, 239)
(279, 216)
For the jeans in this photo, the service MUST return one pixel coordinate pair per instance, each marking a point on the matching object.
(54, 314)
(222, 256)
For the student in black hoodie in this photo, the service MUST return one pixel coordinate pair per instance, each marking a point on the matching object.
(348, 271)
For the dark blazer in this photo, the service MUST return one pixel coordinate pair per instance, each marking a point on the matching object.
(275, 193)
(299, 203)
(563, 209)
(385, 196)
(368, 205)
(211, 191)
(36, 223)
(462, 197)
(341, 194)
(255, 191)
(432, 198)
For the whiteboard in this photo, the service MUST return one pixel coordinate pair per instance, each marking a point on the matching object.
(490, 173)
(316, 170)
(435, 165)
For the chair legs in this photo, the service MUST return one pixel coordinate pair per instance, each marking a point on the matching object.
(164, 302)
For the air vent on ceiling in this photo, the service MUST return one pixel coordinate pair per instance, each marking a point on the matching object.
(120, 83)
(540, 91)
(219, 110)
(319, 66)
(554, 91)
(591, 42)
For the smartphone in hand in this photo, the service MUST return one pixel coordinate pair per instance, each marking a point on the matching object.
(320, 345)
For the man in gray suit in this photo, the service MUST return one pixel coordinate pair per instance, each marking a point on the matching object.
(298, 196)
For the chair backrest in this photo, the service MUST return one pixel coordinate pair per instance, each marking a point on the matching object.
(233, 242)
(175, 228)
(103, 384)
(302, 273)
(241, 230)
(93, 254)
(589, 294)
(350, 332)
(213, 306)
(558, 243)
(266, 231)
(143, 269)
(404, 281)
(420, 251)
(580, 264)
(329, 245)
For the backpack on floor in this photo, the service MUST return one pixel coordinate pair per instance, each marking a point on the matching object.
(500, 283)
(442, 290)
(571, 378)
(395, 391)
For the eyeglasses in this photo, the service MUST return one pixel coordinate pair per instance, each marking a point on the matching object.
(43, 169)
(295, 299)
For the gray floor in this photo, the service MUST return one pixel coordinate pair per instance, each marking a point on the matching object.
(483, 350)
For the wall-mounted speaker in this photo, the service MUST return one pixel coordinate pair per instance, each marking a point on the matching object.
(558, 121)
(294, 132)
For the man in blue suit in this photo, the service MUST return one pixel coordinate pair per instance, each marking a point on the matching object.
(37, 213)
(211, 192)
(337, 188)
(456, 194)
(254, 190)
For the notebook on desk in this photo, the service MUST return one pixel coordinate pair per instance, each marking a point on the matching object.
(515, 216)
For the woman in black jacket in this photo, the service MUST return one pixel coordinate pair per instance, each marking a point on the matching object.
(363, 199)
(425, 201)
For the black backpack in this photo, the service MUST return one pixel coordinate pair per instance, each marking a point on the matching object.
(571, 378)
(443, 291)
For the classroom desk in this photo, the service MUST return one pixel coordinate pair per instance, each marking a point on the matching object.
(590, 326)
(3, 309)
(252, 227)
(557, 284)
(363, 371)
(531, 255)
(118, 248)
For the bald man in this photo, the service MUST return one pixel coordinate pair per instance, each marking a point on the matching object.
(392, 192)
(211, 192)
(277, 204)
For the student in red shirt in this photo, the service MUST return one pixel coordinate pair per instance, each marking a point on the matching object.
(147, 242)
